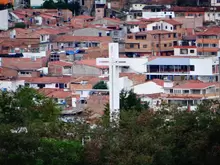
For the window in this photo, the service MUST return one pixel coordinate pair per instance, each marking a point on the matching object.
(214, 45)
(165, 45)
(170, 44)
(183, 51)
(218, 15)
(155, 36)
(168, 35)
(218, 1)
(131, 45)
(171, 28)
(177, 91)
(192, 51)
(157, 45)
(165, 27)
(192, 68)
(214, 53)
(57, 85)
(144, 46)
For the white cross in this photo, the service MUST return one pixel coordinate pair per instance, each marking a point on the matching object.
(114, 62)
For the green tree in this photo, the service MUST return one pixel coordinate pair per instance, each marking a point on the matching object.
(100, 85)
(20, 25)
(159, 138)
(32, 134)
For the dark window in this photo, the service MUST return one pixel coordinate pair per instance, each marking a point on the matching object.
(57, 85)
(192, 68)
(131, 45)
(157, 45)
(192, 51)
(165, 45)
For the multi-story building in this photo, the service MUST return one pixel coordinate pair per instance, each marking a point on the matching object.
(208, 41)
(154, 42)
(183, 68)
(157, 11)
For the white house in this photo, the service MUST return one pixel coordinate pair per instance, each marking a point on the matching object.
(185, 51)
(157, 11)
(201, 68)
(11, 85)
(150, 87)
(137, 6)
(215, 2)
(124, 83)
(212, 16)
(166, 24)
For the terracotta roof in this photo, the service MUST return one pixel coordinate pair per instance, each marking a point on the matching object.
(191, 85)
(210, 31)
(66, 38)
(183, 96)
(172, 22)
(90, 62)
(158, 82)
(47, 80)
(159, 32)
(60, 63)
(23, 63)
(83, 17)
(113, 19)
(74, 87)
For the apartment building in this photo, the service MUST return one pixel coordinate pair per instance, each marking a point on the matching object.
(208, 41)
(155, 42)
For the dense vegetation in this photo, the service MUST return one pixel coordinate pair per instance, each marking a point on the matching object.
(32, 134)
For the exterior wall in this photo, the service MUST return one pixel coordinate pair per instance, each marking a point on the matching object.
(137, 6)
(136, 65)
(214, 3)
(99, 13)
(123, 83)
(153, 44)
(83, 93)
(212, 16)
(37, 55)
(44, 38)
(55, 70)
(148, 88)
(11, 85)
(147, 14)
(211, 49)
(190, 51)
(199, 66)
(4, 19)
(89, 32)
(85, 70)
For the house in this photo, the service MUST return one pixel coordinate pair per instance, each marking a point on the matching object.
(60, 68)
(89, 68)
(100, 11)
(157, 11)
(82, 88)
(81, 21)
(107, 21)
(183, 68)
(22, 67)
(154, 42)
(215, 3)
(185, 51)
(65, 41)
(65, 99)
(149, 87)
(48, 82)
(93, 31)
(208, 41)
(11, 84)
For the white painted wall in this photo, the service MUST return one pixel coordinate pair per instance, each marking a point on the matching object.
(203, 66)
(177, 52)
(214, 3)
(136, 64)
(148, 88)
(83, 93)
(161, 26)
(36, 55)
(11, 85)
(137, 6)
(147, 14)
(3, 19)
(38, 20)
(44, 38)
(212, 16)
(52, 85)
(135, 29)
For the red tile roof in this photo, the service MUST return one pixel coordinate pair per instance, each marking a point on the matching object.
(194, 85)
(86, 17)
(171, 21)
(66, 38)
(60, 63)
(47, 80)
(158, 82)
(90, 62)
(210, 31)
(23, 63)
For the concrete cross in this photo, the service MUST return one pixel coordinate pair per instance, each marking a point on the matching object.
(114, 63)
